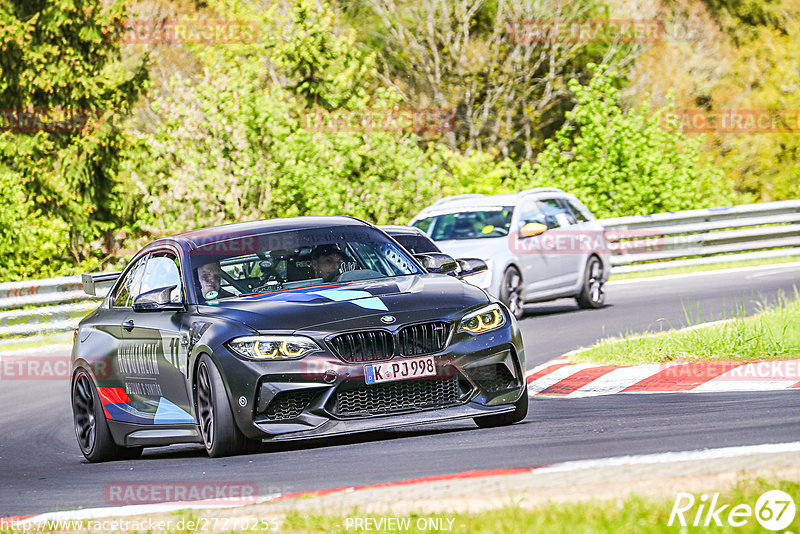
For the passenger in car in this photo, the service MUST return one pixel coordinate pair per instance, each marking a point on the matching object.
(326, 261)
(210, 277)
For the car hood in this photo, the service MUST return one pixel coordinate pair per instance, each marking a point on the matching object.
(407, 298)
(483, 248)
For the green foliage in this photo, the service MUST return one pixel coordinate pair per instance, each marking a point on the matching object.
(61, 61)
(625, 162)
(234, 146)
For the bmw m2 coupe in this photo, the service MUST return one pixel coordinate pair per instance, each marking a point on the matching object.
(287, 329)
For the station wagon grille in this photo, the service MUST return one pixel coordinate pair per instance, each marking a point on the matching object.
(377, 345)
(396, 396)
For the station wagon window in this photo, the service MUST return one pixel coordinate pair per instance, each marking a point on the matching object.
(556, 215)
(580, 216)
(531, 213)
(479, 223)
(129, 285)
(162, 270)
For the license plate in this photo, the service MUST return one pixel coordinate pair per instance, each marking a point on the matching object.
(399, 370)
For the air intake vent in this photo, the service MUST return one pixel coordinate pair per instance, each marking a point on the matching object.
(369, 346)
(424, 338)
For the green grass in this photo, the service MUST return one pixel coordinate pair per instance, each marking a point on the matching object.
(634, 514)
(774, 334)
(47, 340)
(703, 268)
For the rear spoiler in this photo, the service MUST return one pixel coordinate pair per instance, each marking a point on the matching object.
(90, 280)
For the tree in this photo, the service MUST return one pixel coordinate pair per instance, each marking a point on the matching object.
(492, 62)
(64, 91)
(625, 162)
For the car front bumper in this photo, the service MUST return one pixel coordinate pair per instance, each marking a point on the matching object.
(321, 395)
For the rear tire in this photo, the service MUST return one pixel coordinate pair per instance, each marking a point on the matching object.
(221, 435)
(511, 292)
(91, 427)
(592, 295)
(520, 412)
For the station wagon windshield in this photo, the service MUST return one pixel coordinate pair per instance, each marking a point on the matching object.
(474, 224)
(262, 263)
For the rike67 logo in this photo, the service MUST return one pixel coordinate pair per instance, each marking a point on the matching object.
(774, 510)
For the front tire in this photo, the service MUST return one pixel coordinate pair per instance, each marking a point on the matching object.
(91, 427)
(520, 412)
(511, 292)
(592, 293)
(221, 436)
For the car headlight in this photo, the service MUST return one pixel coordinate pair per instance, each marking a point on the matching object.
(486, 319)
(273, 347)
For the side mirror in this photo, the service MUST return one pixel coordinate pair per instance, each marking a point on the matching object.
(157, 300)
(468, 266)
(436, 262)
(532, 229)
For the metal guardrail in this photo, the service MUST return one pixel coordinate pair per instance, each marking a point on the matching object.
(704, 237)
(640, 243)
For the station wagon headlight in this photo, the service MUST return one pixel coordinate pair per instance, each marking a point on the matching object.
(273, 347)
(484, 320)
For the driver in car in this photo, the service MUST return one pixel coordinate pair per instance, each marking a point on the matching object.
(210, 277)
(326, 260)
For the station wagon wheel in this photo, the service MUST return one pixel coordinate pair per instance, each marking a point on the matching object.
(91, 427)
(221, 435)
(511, 292)
(592, 293)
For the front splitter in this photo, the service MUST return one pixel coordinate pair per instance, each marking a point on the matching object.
(383, 422)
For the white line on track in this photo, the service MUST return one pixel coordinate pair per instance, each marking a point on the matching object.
(773, 266)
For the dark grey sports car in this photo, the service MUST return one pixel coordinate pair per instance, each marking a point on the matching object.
(287, 329)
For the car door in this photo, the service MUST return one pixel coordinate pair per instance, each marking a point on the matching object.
(155, 361)
(538, 265)
(583, 236)
(564, 240)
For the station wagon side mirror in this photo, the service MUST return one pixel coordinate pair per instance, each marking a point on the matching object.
(437, 262)
(532, 229)
(157, 300)
(468, 266)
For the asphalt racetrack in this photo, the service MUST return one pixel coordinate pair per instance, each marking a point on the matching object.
(42, 469)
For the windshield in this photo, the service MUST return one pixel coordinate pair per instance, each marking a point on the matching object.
(475, 224)
(277, 261)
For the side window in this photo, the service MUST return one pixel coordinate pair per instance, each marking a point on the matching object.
(555, 214)
(162, 270)
(580, 216)
(531, 213)
(129, 285)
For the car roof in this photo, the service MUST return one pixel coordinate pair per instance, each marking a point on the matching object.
(197, 238)
(478, 200)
